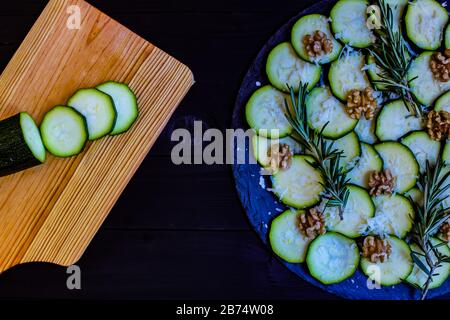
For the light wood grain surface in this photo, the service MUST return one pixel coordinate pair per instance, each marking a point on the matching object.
(50, 213)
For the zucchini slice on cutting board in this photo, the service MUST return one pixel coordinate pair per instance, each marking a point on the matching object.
(307, 25)
(125, 103)
(396, 268)
(349, 23)
(358, 210)
(368, 162)
(286, 239)
(64, 131)
(394, 121)
(332, 258)
(284, 68)
(21, 145)
(99, 110)
(323, 108)
(300, 186)
(400, 160)
(425, 21)
(423, 85)
(265, 112)
(418, 277)
(347, 74)
(423, 147)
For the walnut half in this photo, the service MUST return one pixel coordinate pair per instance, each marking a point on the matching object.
(317, 44)
(280, 156)
(440, 65)
(312, 223)
(376, 249)
(381, 182)
(438, 125)
(445, 230)
(361, 102)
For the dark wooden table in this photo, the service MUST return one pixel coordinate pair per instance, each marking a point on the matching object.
(177, 232)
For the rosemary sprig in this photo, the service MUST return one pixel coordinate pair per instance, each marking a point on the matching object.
(429, 217)
(326, 157)
(393, 58)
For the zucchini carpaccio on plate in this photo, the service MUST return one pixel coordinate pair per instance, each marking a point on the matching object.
(361, 106)
(90, 114)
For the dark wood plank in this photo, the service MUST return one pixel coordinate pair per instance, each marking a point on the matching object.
(169, 197)
(165, 265)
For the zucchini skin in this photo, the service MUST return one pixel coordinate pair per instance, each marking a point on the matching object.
(446, 42)
(15, 155)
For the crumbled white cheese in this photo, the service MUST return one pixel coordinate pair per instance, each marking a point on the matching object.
(350, 65)
(370, 66)
(262, 182)
(290, 69)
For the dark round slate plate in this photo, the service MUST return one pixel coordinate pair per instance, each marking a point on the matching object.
(262, 206)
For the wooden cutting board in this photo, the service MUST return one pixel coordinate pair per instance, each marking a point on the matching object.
(50, 213)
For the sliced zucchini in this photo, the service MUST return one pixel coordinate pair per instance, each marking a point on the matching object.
(423, 85)
(307, 25)
(20, 144)
(64, 131)
(349, 23)
(443, 102)
(125, 103)
(374, 72)
(358, 210)
(284, 68)
(262, 145)
(323, 108)
(286, 239)
(350, 147)
(393, 270)
(446, 153)
(394, 215)
(98, 109)
(425, 21)
(418, 277)
(300, 186)
(401, 162)
(394, 121)
(347, 74)
(265, 112)
(416, 195)
(369, 162)
(332, 258)
(423, 147)
(365, 129)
